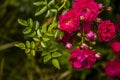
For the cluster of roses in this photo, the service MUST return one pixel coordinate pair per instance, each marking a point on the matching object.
(112, 68)
(79, 24)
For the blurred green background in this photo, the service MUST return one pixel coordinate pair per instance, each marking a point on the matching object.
(14, 64)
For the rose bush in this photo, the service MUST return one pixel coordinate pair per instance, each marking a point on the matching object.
(73, 34)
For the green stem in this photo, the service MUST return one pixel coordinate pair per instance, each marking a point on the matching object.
(82, 41)
(54, 18)
(1, 68)
(64, 2)
(29, 71)
(6, 46)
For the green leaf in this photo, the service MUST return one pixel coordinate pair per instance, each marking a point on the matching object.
(61, 35)
(27, 50)
(27, 30)
(44, 53)
(39, 33)
(43, 44)
(54, 49)
(39, 3)
(36, 25)
(32, 44)
(57, 32)
(20, 45)
(22, 22)
(33, 52)
(55, 62)
(45, 39)
(52, 26)
(68, 3)
(32, 34)
(51, 2)
(41, 11)
(47, 58)
(48, 13)
(56, 54)
(30, 22)
(53, 10)
(36, 39)
(48, 34)
(28, 44)
(107, 3)
(44, 28)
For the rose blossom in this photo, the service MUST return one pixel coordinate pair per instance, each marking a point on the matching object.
(112, 68)
(115, 46)
(82, 58)
(81, 2)
(88, 9)
(106, 31)
(69, 21)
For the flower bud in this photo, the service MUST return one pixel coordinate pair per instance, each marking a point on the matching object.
(100, 6)
(91, 35)
(98, 55)
(90, 47)
(79, 34)
(68, 46)
(99, 20)
(83, 46)
(109, 8)
(93, 43)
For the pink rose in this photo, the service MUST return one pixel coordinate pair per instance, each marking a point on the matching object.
(81, 2)
(82, 58)
(106, 31)
(69, 21)
(88, 9)
(112, 68)
(115, 46)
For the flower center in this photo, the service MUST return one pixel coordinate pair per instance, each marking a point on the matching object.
(69, 21)
(85, 10)
(107, 30)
